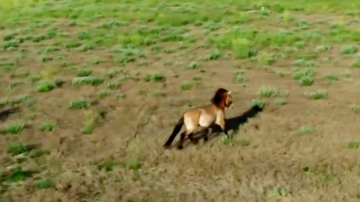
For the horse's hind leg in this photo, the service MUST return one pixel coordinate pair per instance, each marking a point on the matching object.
(184, 135)
(193, 139)
(182, 138)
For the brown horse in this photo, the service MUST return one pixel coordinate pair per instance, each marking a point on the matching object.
(203, 116)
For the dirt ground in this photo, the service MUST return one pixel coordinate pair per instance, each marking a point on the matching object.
(295, 149)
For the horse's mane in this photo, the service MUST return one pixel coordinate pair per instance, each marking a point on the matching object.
(219, 96)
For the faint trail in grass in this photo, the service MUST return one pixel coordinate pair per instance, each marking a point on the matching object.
(137, 129)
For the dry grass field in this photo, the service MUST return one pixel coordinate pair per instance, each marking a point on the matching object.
(91, 90)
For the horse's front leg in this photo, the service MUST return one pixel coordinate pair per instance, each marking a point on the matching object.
(220, 121)
(221, 124)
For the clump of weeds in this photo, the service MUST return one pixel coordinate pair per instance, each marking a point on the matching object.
(155, 77)
(304, 77)
(12, 128)
(47, 82)
(90, 118)
(316, 95)
(256, 103)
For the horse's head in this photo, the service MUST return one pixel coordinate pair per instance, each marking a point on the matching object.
(222, 98)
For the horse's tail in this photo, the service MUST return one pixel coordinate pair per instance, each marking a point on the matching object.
(176, 130)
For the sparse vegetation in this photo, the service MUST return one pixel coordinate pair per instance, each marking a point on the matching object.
(354, 107)
(47, 126)
(100, 84)
(279, 101)
(12, 128)
(306, 129)
(316, 95)
(353, 144)
(256, 103)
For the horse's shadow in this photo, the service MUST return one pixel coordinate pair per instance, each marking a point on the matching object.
(231, 124)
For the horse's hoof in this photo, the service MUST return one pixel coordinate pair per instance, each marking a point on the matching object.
(166, 146)
(180, 147)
